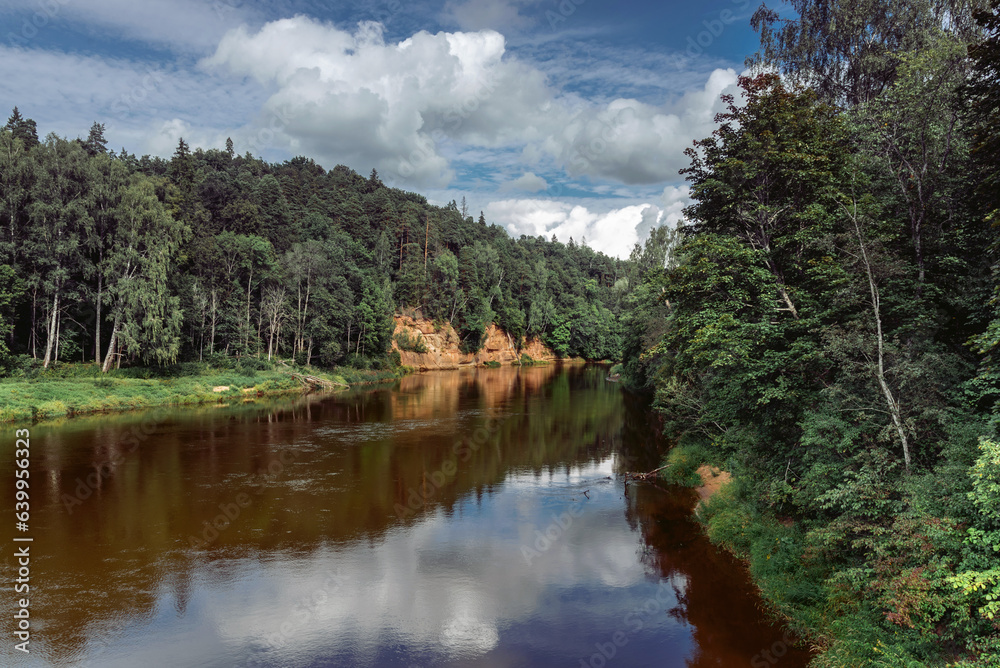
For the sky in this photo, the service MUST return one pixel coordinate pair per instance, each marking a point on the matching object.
(553, 117)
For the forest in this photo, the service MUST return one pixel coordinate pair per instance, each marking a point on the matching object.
(825, 326)
(114, 259)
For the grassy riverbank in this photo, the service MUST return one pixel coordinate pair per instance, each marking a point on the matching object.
(887, 595)
(75, 389)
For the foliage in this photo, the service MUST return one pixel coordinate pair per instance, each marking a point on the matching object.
(826, 325)
(136, 261)
(682, 464)
(413, 343)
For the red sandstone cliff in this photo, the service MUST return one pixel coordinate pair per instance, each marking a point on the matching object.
(442, 346)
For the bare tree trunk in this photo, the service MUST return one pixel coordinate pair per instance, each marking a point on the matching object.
(111, 345)
(211, 342)
(246, 345)
(97, 325)
(55, 354)
(260, 319)
(50, 342)
(890, 400)
(34, 323)
(201, 332)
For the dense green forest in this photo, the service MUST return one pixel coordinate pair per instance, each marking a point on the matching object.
(107, 257)
(825, 326)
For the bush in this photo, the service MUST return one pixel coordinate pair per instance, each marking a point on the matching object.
(250, 365)
(682, 465)
(412, 343)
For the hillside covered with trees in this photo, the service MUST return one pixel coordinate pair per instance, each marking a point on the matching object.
(825, 327)
(112, 258)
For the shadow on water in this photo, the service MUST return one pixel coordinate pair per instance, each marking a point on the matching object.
(462, 518)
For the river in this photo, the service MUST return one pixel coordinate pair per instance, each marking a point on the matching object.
(461, 518)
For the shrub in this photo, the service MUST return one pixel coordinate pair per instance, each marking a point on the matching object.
(682, 465)
(412, 343)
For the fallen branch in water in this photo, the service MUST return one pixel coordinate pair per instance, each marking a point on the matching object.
(650, 475)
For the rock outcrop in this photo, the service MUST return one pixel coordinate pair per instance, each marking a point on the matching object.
(443, 351)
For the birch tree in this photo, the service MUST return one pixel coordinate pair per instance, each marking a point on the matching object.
(146, 317)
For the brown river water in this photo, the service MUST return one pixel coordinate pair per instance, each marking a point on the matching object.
(461, 518)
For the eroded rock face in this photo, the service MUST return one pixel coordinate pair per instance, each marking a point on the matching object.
(442, 346)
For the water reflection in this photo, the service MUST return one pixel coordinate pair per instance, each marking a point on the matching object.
(463, 518)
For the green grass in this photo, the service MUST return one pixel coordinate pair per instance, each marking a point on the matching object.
(75, 389)
(527, 360)
(682, 462)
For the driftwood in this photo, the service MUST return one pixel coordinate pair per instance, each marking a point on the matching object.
(315, 382)
(649, 475)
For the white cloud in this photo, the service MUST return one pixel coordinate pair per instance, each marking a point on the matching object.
(183, 25)
(528, 182)
(488, 14)
(673, 201)
(612, 232)
(352, 98)
(65, 93)
(406, 108)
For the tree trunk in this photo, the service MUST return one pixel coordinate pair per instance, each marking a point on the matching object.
(246, 345)
(55, 354)
(97, 325)
(111, 345)
(890, 400)
(260, 319)
(211, 341)
(50, 342)
(34, 323)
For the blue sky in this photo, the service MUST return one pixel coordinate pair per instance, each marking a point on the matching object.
(564, 117)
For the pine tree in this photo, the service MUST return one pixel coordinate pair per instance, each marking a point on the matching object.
(23, 129)
(96, 143)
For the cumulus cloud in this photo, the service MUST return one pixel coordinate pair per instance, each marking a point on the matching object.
(613, 232)
(528, 182)
(407, 107)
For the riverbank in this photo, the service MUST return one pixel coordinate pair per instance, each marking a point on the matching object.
(81, 389)
(770, 549)
(814, 591)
